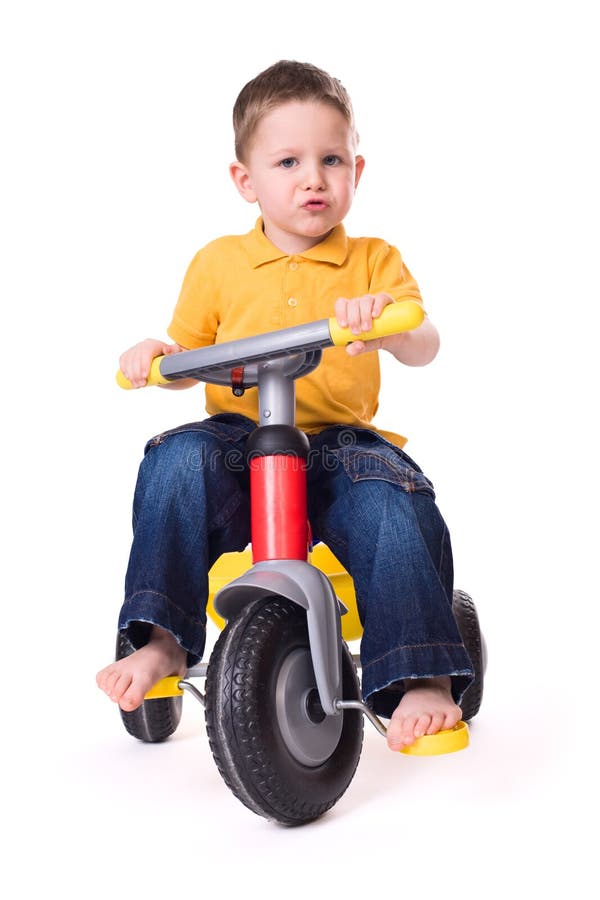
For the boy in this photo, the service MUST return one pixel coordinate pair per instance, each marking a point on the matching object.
(296, 156)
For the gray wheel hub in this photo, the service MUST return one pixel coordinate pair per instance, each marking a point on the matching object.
(310, 735)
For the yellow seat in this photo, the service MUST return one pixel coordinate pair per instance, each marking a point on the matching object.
(232, 565)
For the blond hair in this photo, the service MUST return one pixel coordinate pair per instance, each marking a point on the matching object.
(282, 82)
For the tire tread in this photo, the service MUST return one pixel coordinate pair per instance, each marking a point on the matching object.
(232, 722)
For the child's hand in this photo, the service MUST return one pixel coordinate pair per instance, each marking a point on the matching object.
(135, 363)
(357, 315)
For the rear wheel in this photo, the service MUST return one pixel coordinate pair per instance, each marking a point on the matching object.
(470, 632)
(272, 743)
(154, 720)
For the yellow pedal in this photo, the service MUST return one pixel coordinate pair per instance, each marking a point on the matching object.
(166, 687)
(447, 741)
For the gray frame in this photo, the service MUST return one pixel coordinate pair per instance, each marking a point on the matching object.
(307, 586)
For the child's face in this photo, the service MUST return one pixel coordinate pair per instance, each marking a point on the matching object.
(302, 169)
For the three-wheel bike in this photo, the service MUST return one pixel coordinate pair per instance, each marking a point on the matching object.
(283, 706)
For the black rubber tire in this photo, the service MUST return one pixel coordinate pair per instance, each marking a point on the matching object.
(242, 725)
(470, 632)
(155, 720)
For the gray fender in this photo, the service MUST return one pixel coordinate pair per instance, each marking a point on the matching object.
(307, 586)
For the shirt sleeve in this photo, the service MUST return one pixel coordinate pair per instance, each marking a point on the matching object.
(194, 323)
(390, 276)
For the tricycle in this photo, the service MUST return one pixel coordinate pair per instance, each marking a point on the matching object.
(282, 697)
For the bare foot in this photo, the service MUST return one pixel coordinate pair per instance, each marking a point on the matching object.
(128, 680)
(426, 708)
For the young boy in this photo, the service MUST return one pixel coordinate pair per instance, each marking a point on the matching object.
(296, 157)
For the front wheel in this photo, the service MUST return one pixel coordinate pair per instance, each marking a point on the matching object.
(272, 743)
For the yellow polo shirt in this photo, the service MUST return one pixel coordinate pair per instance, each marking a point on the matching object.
(242, 285)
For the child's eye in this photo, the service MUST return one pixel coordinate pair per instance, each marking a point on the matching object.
(331, 160)
(288, 163)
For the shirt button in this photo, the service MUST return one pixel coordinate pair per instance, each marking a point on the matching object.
(293, 266)
(292, 302)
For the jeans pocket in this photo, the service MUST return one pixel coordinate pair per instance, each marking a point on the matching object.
(230, 428)
(382, 463)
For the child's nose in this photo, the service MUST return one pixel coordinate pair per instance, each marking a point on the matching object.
(313, 178)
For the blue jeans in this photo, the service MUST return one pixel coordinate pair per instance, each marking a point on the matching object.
(367, 500)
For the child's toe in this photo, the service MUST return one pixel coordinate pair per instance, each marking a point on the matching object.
(437, 723)
(422, 725)
(120, 686)
(107, 679)
(394, 734)
(131, 699)
(452, 718)
(408, 729)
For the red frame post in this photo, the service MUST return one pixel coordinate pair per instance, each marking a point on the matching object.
(279, 523)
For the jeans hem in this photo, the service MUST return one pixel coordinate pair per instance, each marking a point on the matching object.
(382, 679)
(147, 608)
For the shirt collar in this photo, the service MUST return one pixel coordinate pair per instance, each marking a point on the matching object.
(333, 249)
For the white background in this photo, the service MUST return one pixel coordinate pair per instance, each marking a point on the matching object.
(478, 121)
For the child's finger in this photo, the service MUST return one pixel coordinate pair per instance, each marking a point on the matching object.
(138, 370)
(341, 312)
(379, 303)
(136, 380)
(355, 348)
(354, 315)
(365, 307)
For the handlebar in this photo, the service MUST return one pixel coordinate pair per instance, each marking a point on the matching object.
(301, 343)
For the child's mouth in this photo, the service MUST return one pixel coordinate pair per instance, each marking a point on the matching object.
(315, 205)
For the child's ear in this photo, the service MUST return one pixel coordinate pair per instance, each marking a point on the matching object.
(359, 164)
(241, 178)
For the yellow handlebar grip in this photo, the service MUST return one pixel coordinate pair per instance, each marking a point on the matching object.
(153, 378)
(396, 317)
